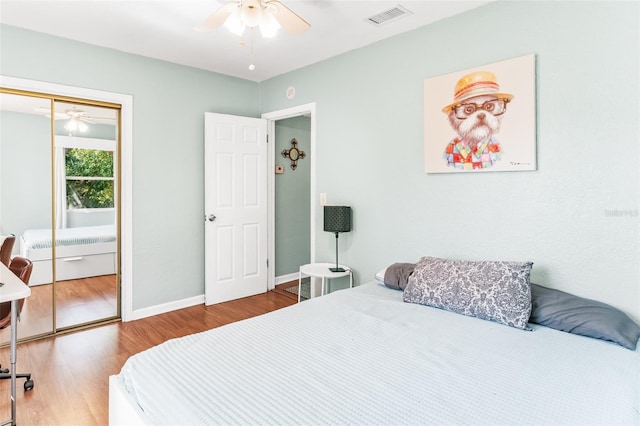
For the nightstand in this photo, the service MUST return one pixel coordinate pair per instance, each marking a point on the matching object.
(321, 270)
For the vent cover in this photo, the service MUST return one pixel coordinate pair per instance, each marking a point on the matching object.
(389, 15)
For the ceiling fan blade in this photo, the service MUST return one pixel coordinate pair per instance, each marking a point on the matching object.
(42, 110)
(288, 20)
(92, 119)
(47, 113)
(216, 19)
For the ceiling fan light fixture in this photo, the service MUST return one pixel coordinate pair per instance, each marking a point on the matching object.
(71, 125)
(74, 124)
(269, 25)
(234, 22)
(251, 13)
(269, 15)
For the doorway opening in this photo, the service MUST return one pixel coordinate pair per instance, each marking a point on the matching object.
(292, 207)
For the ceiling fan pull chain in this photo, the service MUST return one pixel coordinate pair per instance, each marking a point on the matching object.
(251, 65)
(252, 42)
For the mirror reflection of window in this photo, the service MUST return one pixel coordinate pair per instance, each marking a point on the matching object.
(85, 179)
(89, 175)
(85, 182)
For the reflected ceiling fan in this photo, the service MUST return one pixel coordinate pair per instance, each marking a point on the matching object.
(77, 119)
(268, 15)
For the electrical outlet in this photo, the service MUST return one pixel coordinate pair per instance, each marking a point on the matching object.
(323, 199)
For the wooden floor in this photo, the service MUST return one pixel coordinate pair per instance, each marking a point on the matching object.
(77, 301)
(71, 371)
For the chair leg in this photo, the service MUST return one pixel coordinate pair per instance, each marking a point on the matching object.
(28, 384)
(18, 376)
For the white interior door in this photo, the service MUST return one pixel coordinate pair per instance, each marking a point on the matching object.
(235, 207)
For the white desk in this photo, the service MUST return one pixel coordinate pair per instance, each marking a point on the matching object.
(321, 270)
(12, 290)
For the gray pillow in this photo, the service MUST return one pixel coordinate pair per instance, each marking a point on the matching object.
(494, 291)
(396, 276)
(564, 311)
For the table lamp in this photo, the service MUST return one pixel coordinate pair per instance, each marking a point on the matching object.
(337, 219)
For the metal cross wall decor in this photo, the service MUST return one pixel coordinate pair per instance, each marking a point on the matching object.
(294, 154)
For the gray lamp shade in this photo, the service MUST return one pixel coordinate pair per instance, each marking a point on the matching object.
(337, 218)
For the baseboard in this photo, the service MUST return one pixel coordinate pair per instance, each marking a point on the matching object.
(287, 278)
(166, 307)
(186, 303)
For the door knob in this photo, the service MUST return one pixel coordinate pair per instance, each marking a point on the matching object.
(211, 217)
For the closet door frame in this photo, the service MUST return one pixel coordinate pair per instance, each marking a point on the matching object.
(71, 93)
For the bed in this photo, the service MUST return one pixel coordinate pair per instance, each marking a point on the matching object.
(366, 356)
(82, 252)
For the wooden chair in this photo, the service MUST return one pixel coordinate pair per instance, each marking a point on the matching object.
(6, 248)
(22, 267)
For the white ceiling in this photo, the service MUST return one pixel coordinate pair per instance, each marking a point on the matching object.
(164, 30)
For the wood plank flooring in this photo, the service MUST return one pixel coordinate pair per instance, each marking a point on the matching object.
(71, 371)
(77, 301)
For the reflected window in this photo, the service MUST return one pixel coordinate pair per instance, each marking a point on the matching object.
(89, 178)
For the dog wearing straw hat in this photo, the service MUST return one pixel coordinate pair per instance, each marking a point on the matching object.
(476, 115)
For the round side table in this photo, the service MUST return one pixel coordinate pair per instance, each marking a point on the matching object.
(321, 270)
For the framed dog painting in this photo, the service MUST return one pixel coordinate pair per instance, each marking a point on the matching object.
(481, 119)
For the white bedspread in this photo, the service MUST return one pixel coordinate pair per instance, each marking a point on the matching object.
(41, 238)
(364, 357)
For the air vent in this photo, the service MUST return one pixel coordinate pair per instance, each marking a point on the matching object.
(389, 15)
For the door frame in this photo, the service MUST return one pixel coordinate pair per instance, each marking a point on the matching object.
(126, 169)
(271, 117)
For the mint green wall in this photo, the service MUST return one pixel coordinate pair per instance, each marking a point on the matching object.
(25, 173)
(169, 102)
(576, 217)
(292, 196)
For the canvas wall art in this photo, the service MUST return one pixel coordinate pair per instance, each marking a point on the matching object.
(481, 119)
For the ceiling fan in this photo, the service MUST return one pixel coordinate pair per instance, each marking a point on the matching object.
(77, 119)
(268, 15)
(73, 114)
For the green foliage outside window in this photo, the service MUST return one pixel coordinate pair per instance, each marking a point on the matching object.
(85, 188)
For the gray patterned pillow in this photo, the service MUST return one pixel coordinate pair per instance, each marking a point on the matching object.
(494, 291)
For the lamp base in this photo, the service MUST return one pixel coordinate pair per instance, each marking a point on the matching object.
(337, 270)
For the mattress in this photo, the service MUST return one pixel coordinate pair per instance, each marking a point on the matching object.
(42, 238)
(363, 356)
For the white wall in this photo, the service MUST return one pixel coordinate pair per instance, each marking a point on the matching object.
(576, 217)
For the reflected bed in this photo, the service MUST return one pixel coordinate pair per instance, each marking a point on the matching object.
(82, 252)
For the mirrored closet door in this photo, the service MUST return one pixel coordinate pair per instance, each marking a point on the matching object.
(60, 197)
(85, 199)
(25, 198)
